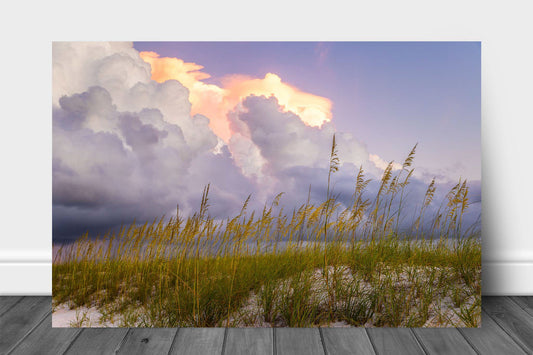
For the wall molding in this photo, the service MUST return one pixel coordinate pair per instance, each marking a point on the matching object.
(26, 278)
(507, 278)
(22, 275)
(25, 256)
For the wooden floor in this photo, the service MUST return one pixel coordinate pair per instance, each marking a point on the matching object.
(26, 328)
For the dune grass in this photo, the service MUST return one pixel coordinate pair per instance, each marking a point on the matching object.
(317, 265)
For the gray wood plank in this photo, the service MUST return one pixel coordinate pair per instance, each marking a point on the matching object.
(148, 341)
(507, 326)
(394, 341)
(512, 318)
(525, 302)
(200, 341)
(490, 339)
(45, 340)
(258, 341)
(98, 341)
(7, 302)
(347, 341)
(445, 341)
(298, 341)
(20, 319)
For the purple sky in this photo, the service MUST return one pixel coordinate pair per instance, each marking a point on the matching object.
(126, 147)
(390, 95)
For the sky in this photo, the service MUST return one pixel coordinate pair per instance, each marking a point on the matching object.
(390, 95)
(140, 127)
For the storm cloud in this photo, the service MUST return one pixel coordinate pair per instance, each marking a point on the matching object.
(126, 148)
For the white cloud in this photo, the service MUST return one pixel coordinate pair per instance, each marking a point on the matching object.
(382, 164)
(284, 141)
(126, 147)
(76, 66)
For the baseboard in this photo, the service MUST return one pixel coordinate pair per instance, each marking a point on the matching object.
(499, 278)
(507, 278)
(26, 278)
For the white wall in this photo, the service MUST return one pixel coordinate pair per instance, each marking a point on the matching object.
(27, 29)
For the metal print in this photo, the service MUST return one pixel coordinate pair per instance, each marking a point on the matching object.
(266, 184)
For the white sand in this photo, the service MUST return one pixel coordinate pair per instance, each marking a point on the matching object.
(442, 311)
(64, 317)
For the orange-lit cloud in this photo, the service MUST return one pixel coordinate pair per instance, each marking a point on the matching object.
(215, 102)
(313, 110)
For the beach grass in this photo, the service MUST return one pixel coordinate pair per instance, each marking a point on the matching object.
(317, 265)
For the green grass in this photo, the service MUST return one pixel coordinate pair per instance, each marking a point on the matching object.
(317, 265)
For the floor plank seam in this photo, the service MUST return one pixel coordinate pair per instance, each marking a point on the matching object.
(14, 347)
(517, 341)
(322, 341)
(224, 341)
(13, 305)
(468, 341)
(123, 341)
(419, 341)
(274, 344)
(72, 342)
(525, 309)
(371, 341)
(173, 341)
